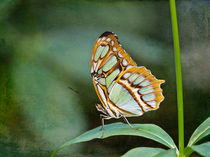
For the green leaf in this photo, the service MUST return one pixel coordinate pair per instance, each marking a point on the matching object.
(143, 152)
(167, 153)
(150, 131)
(202, 149)
(202, 131)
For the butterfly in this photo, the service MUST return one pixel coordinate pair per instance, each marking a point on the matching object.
(124, 89)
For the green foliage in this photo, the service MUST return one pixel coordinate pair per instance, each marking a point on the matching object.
(202, 131)
(150, 131)
(45, 47)
(202, 149)
(178, 76)
(150, 152)
(143, 152)
(167, 153)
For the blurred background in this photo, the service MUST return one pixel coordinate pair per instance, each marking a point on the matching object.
(45, 47)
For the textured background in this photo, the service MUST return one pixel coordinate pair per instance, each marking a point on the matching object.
(45, 46)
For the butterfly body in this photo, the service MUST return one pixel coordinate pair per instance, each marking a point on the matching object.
(124, 89)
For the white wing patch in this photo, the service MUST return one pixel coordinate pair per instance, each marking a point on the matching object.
(126, 75)
(133, 77)
(135, 91)
(149, 97)
(124, 100)
(119, 54)
(110, 63)
(138, 80)
(144, 83)
(124, 62)
(146, 90)
(105, 101)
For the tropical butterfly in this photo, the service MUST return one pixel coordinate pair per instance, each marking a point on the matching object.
(124, 89)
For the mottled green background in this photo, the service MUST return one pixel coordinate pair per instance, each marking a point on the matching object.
(45, 46)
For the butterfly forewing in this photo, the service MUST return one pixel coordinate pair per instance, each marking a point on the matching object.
(108, 55)
(123, 88)
(108, 60)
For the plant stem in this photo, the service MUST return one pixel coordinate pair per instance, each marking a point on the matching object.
(178, 77)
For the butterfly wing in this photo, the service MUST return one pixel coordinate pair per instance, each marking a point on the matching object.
(110, 65)
(107, 49)
(108, 60)
(136, 91)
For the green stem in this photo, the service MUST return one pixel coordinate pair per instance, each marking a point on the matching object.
(178, 77)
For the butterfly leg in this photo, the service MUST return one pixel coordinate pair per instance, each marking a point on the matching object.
(102, 122)
(126, 120)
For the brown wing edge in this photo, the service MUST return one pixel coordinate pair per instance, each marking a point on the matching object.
(154, 82)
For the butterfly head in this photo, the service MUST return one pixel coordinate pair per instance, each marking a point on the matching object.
(107, 33)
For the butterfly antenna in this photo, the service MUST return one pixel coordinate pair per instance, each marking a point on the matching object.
(82, 94)
(74, 90)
